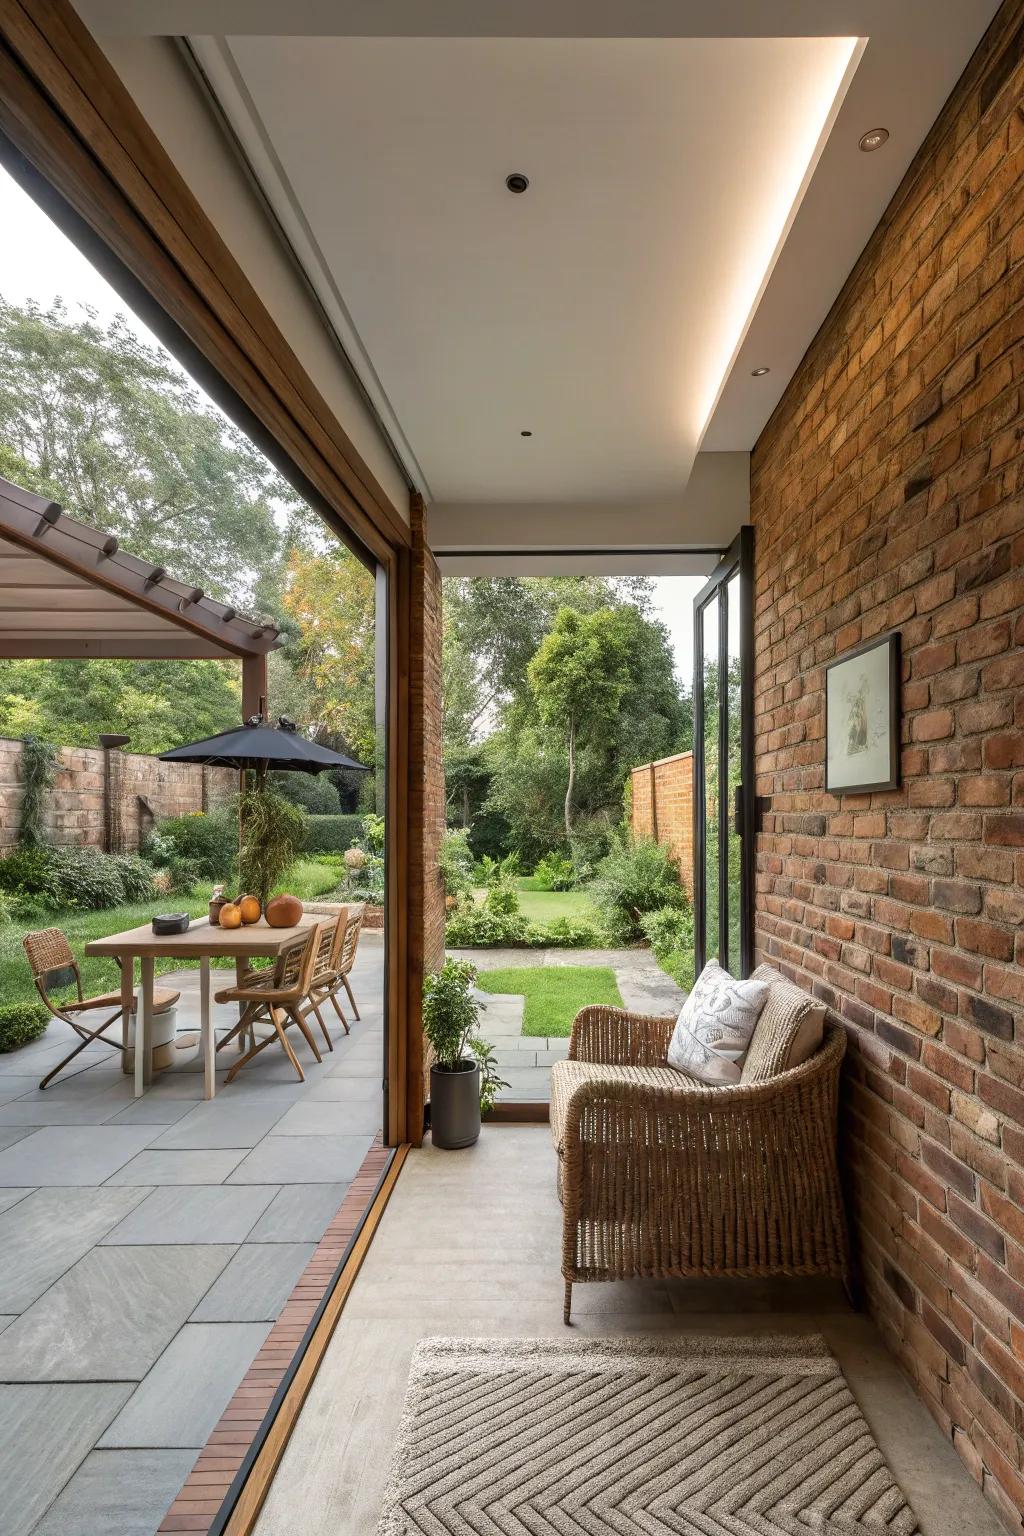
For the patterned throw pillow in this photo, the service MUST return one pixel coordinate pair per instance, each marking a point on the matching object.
(714, 1028)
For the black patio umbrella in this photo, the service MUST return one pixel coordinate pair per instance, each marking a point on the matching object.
(264, 748)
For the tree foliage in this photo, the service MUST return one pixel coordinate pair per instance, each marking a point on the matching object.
(331, 599)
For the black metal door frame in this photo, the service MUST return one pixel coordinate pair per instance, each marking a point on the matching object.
(738, 560)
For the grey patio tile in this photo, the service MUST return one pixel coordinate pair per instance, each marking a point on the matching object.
(255, 1285)
(45, 1431)
(111, 1315)
(9, 1197)
(10, 1134)
(180, 1167)
(362, 1090)
(43, 1236)
(11, 1086)
(526, 1084)
(90, 1109)
(124, 1491)
(223, 1123)
(150, 1110)
(73, 1154)
(300, 1213)
(189, 1387)
(302, 1160)
(359, 1066)
(193, 1213)
(340, 1117)
(5, 1318)
(176, 1085)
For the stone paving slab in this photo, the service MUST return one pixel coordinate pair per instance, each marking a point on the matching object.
(192, 1213)
(73, 1154)
(44, 1235)
(301, 1213)
(111, 1315)
(45, 1431)
(188, 1388)
(122, 1492)
(255, 1284)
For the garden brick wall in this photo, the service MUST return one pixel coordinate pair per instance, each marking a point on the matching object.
(75, 811)
(663, 808)
(887, 492)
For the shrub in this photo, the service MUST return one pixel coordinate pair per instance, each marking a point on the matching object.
(21, 1023)
(184, 875)
(332, 834)
(455, 865)
(489, 871)
(479, 928)
(502, 898)
(313, 792)
(72, 879)
(670, 933)
(555, 872)
(635, 878)
(209, 838)
(374, 832)
(573, 933)
(367, 882)
(590, 842)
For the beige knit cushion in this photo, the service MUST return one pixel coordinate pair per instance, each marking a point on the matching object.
(789, 1030)
(566, 1077)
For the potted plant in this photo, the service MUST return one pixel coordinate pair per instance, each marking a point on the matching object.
(450, 1013)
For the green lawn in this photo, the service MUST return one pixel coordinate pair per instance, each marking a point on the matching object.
(545, 906)
(554, 993)
(307, 879)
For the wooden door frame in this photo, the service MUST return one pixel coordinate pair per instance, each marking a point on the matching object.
(67, 114)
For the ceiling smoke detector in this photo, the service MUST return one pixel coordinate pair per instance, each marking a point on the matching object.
(759, 373)
(517, 182)
(873, 139)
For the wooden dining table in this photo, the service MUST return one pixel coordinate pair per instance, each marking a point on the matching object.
(203, 941)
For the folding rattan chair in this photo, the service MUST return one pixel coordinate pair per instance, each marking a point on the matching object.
(54, 966)
(276, 997)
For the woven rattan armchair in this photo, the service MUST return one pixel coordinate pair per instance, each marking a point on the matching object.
(661, 1176)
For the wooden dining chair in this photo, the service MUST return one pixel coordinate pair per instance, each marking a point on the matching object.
(348, 943)
(323, 969)
(54, 967)
(275, 996)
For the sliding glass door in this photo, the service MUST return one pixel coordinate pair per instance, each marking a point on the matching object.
(723, 758)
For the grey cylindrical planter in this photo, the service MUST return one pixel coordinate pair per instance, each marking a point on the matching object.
(455, 1106)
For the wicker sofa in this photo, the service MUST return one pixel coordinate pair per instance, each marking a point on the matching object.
(660, 1175)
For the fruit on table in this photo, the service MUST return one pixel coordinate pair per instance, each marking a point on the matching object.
(230, 915)
(282, 912)
(249, 906)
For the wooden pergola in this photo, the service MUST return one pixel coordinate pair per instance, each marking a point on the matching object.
(69, 590)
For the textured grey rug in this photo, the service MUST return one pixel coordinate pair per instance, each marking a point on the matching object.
(692, 1436)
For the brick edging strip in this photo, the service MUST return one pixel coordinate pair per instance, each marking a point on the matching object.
(198, 1505)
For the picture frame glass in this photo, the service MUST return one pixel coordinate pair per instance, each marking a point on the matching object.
(860, 719)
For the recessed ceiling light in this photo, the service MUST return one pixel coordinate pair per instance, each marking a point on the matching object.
(873, 139)
(526, 434)
(759, 373)
(517, 182)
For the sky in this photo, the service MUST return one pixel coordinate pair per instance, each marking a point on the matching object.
(42, 264)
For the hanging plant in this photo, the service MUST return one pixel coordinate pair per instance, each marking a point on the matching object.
(38, 766)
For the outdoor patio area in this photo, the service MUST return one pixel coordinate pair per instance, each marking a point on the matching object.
(149, 1245)
(524, 1061)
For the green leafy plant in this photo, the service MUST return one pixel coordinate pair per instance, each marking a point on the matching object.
(455, 866)
(374, 832)
(314, 792)
(207, 839)
(273, 832)
(490, 1082)
(502, 899)
(573, 933)
(72, 880)
(332, 834)
(38, 766)
(450, 1012)
(21, 1023)
(490, 871)
(669, 931)
(554, 872)
(635, 878)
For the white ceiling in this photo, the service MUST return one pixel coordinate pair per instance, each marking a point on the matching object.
(696, 202)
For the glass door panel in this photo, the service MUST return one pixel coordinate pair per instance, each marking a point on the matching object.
(723, 762)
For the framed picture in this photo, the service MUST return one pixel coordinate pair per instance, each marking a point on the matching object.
(862, 718)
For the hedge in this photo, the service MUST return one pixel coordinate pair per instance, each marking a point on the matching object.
(332, 834)
(20, 1023)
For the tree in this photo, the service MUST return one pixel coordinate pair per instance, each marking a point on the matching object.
(331, 598)
(113, 430)
(578, 677)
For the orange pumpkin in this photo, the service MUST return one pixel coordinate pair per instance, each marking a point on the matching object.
(250, 909)
(230, 915)
(282, 912)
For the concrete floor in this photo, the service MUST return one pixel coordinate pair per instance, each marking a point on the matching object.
(148, 1245)
(469, 1245)
(524, 1061)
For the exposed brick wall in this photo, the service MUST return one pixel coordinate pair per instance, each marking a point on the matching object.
(886, 492)
(74, 810)
(662, 797)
